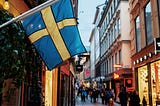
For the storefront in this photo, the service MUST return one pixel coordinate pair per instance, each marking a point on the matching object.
(149, 82)
(118, 79)
(147, 75)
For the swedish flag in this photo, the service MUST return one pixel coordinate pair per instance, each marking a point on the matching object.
(54, 33)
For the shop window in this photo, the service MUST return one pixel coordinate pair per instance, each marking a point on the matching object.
(138, 36)
(155, 81)
(143, 83)
(148, 24)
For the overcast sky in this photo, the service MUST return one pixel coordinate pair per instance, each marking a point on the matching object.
(86, 13)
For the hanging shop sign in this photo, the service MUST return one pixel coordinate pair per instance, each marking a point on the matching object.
(157, 44)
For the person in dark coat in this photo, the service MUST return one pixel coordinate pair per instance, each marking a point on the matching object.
(83, 94)
(94, 95)
(130, 98)
(144, 102)
(134, 99)
(102, 94)
(91, 93)
(123, 97)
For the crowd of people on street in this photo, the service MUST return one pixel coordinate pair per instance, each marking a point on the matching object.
(107, 96)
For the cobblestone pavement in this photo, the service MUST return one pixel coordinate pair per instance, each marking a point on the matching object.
(88, 103)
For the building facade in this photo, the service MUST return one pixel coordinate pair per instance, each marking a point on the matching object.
(115, 61)
(92, 54)
(95, 47)
(145, 27)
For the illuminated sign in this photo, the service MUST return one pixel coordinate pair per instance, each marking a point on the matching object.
(117, 65)
(79, 68)
(157, 44)
(115, 75)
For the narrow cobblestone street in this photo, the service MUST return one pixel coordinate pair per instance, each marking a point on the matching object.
(88, 103)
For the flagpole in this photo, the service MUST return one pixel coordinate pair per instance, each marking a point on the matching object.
(30, 12)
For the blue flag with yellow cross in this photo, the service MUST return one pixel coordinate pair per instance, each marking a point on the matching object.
(54, 33)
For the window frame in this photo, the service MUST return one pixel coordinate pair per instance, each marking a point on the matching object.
(158, 3)
(138, 37)
(119, 26)
(148, 41)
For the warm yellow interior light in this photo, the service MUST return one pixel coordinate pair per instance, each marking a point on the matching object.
(6, 5)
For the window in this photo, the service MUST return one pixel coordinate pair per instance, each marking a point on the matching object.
(112, 63)
(149, 37)
(109, 17)
(112, 37)
(107, 42)
(106, 21)
(115, 31)
(107, 67)
(120, 58)
(116, 58)
(109, 39)
(119, 26)
(138, 36)
(115, 4)
(159, 11)
(111, 11)
(105, 72)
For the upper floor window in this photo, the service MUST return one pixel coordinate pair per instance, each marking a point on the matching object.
(116, 58)
(112, 64)
(107, 67)
(148, 24)
(109, 17)
(159, 11)
(107, 42)
(115, 31)
(106, 21)
(115, 3)
(119, 26)
(138, 36)
(120, 57)
(109, 38)
(112, 37)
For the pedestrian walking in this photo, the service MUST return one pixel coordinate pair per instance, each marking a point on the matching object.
(79, 90)
(144, 102)
(123, 96)
(134, 99)
(110, 97)
(95, 95)
(102, 94)
(130, 98)
(91, 93)
(83, 94)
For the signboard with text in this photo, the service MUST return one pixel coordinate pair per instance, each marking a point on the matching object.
(157, 44)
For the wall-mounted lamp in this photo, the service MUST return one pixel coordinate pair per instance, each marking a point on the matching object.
(6, 5)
